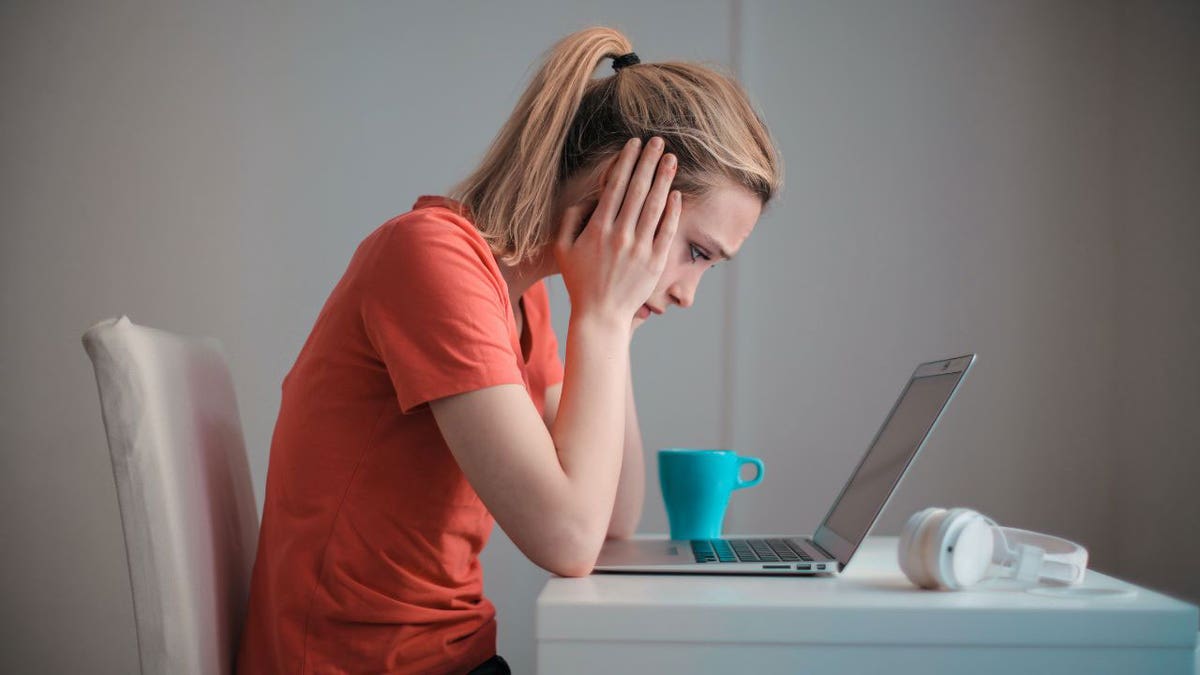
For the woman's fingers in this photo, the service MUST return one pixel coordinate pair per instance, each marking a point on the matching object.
(639, 187)
(670, 223)
(617, 182)
(656, 200)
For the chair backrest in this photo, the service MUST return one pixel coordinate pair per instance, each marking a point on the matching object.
(183, 485)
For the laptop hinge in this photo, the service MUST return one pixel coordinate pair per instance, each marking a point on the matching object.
(818, 547)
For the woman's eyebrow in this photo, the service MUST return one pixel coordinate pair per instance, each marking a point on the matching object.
(714, 245)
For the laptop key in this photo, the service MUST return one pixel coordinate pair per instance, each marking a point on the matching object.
(702, 551)
(796, 547)
(715, 550)
(780, 546)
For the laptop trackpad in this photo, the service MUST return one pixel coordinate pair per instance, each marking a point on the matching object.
(644, 552)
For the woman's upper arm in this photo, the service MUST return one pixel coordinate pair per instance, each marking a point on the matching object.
(507, 454)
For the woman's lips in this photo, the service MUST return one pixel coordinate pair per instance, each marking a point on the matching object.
(646, 311)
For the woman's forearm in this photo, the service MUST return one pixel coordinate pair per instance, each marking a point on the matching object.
(631, 490)
(587, 429)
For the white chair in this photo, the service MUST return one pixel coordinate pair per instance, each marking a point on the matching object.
(183, 484)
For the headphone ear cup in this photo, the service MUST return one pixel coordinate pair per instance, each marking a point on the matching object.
(957, 558)
(913, 561)
(972, 552)
(931, 547)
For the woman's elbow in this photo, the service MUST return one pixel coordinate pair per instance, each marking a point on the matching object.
(577, 559)
(575, 571)
(579, 565)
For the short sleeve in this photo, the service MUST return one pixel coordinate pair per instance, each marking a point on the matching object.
(433, 309)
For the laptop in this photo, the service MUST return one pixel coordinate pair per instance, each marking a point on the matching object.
(855, 510)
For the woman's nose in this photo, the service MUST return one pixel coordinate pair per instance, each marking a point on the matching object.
(682, 295)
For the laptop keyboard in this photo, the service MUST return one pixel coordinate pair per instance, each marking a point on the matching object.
(747, 550)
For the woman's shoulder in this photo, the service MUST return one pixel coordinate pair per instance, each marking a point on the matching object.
(433, 241)
(432, 217)
(434, 226)
(458, 209)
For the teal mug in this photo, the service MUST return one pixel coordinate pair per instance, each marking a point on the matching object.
(696, 485)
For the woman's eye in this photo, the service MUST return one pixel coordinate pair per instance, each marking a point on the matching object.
(697, 252)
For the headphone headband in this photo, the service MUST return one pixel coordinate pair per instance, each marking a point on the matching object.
(1063, 561)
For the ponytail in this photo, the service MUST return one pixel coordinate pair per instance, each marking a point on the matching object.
(510, 196)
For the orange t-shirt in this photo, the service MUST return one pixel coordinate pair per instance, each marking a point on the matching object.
(368, 555)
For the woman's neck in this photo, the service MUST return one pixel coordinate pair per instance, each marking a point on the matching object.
(519, 278)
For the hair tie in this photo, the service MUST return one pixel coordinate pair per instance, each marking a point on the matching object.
(629, 59)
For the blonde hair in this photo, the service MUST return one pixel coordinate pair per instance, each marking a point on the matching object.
(566, 122)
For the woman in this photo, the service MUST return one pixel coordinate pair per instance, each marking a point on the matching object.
(430, 399)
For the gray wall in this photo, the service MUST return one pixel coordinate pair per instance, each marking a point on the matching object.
(1018, 179)
(1156, 185)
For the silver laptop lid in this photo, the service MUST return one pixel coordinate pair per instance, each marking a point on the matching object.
(902, 435)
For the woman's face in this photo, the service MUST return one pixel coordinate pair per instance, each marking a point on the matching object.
(711, 229)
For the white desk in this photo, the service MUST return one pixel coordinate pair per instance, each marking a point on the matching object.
(868, 620)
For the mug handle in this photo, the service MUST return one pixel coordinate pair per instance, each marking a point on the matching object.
(753, 481)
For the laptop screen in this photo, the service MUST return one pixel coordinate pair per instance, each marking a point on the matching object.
(894, 447)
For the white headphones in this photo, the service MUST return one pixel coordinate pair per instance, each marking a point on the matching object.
(955, 548)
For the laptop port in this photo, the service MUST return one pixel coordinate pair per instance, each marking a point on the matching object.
(804, 567)
(820, 567)
(776, 567)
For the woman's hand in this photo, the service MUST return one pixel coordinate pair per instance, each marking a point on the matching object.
(613, 265)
